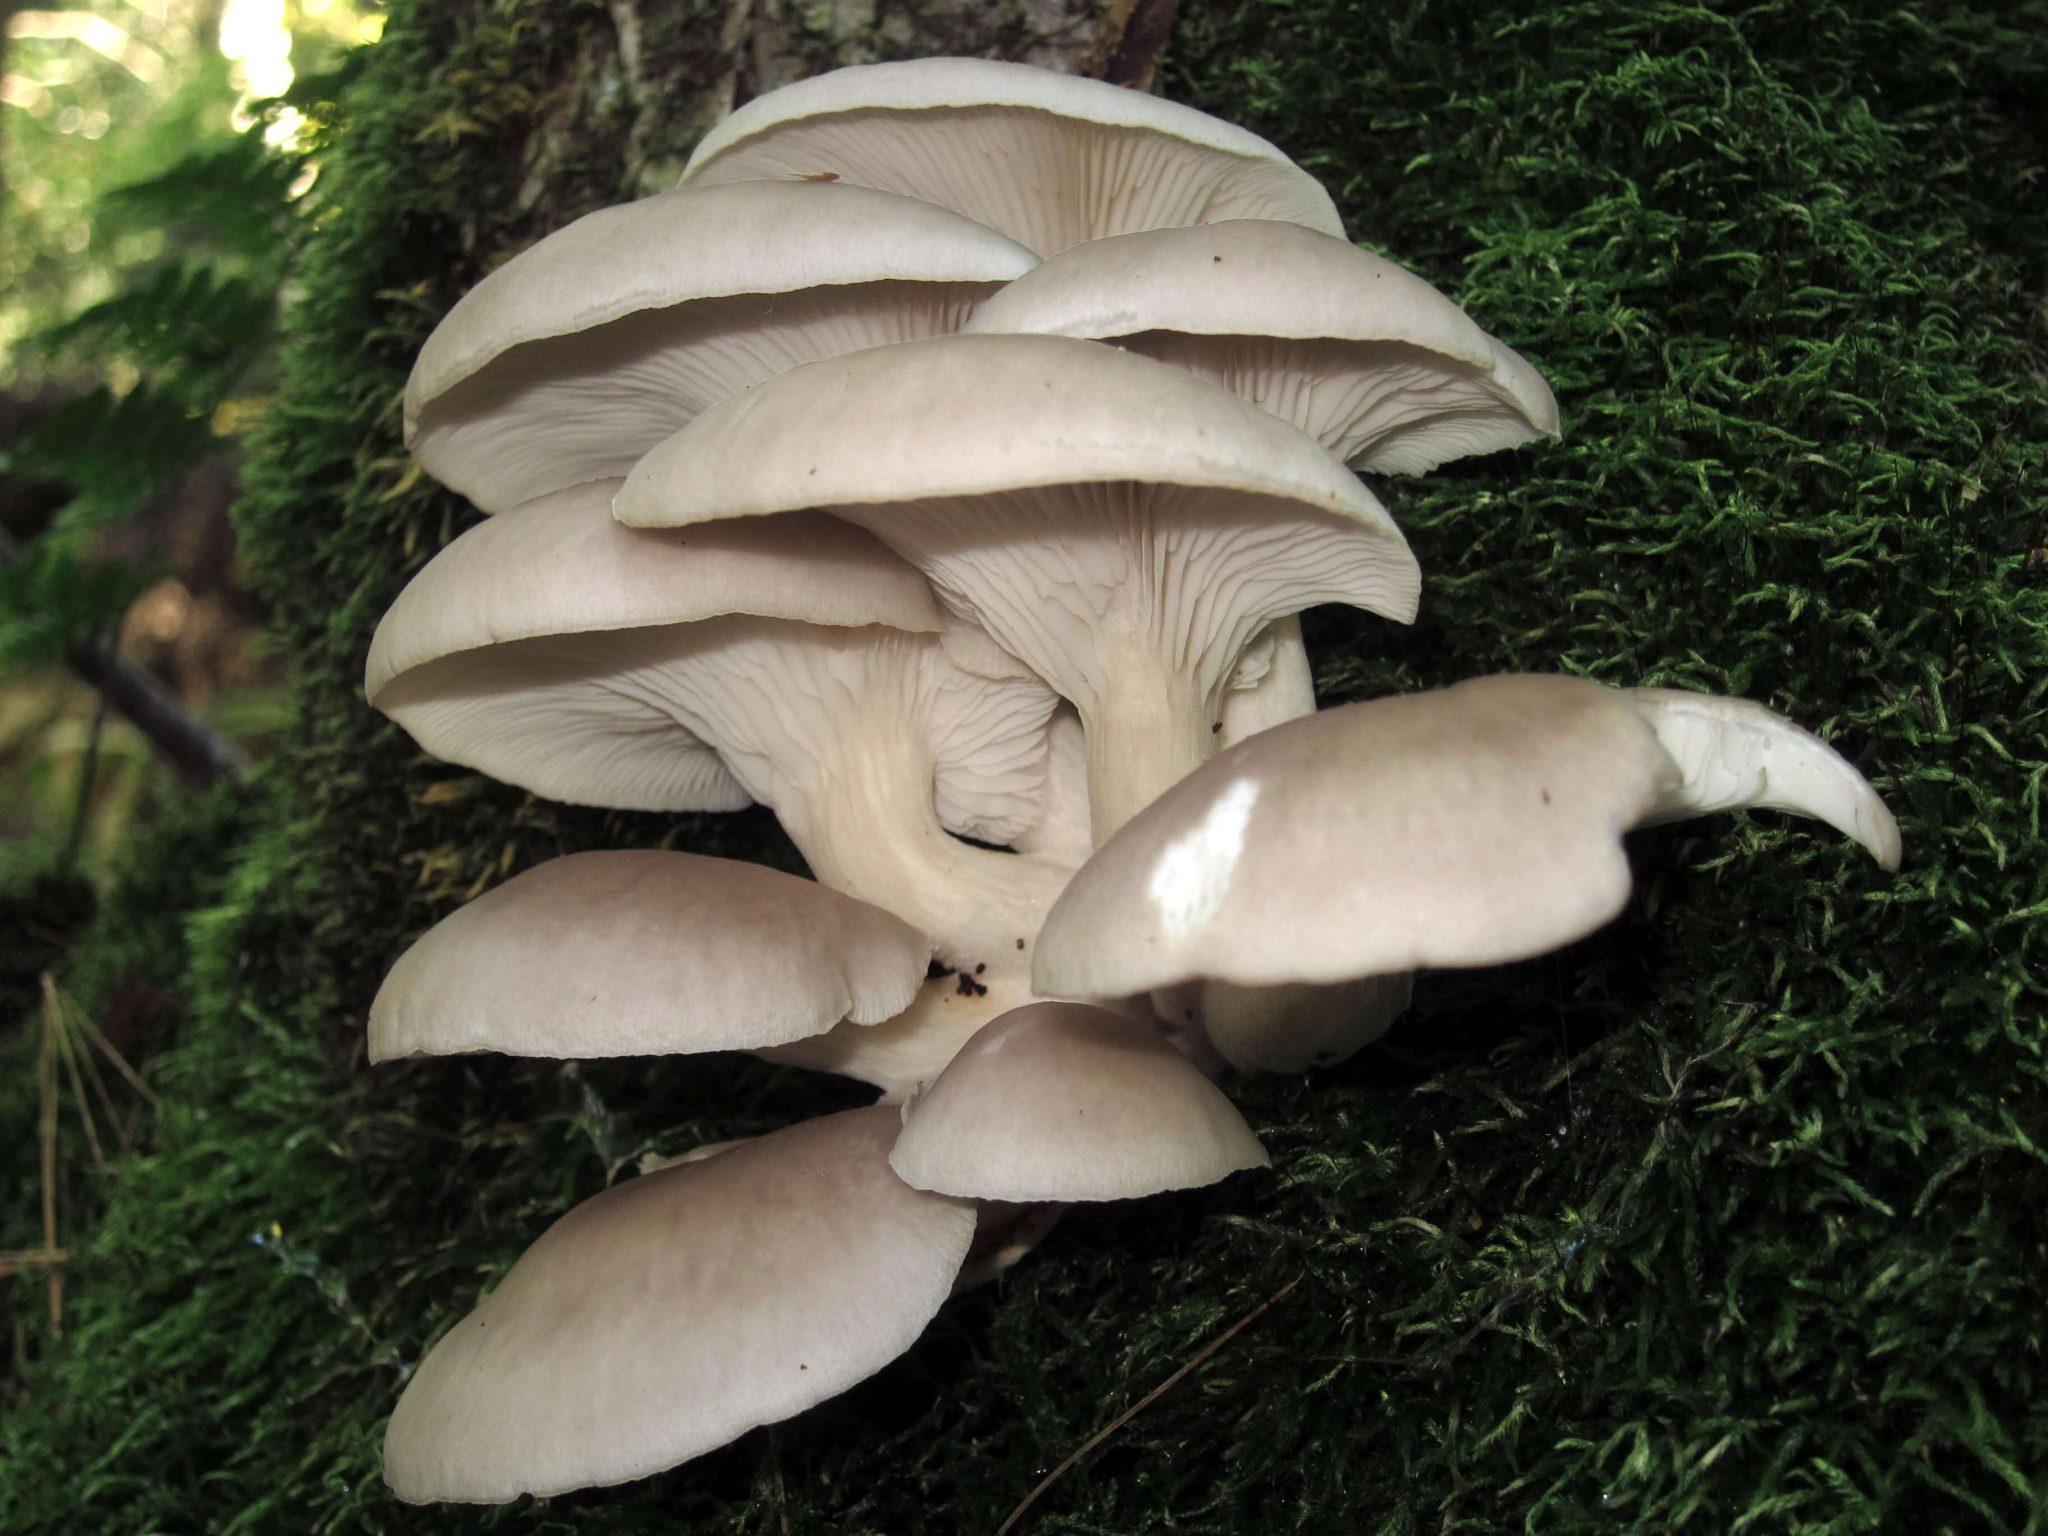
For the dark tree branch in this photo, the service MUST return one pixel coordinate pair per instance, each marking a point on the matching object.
(199, 755)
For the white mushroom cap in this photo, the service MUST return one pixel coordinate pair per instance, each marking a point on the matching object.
(1471, 826)
(561, 564)
(1048, 159)
(1057, 1101)
(1362, 355)
(645, 953)
(580, 354)
(493, 654)
(1735, 753)
(678, 1310)
(1123, 529)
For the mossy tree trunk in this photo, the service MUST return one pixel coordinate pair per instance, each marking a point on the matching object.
(1729, 1217)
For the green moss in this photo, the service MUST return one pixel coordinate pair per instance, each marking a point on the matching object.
(1727, 1219)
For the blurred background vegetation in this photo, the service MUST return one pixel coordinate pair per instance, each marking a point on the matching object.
(151, 159)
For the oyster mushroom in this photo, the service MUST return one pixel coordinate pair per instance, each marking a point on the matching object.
(578, 355)
(1061, 1102)
(795, 656)
(676, 1311)
(1362, 355)
(1471, 826)
(1048, 159)
(1123, 529)
(633, 953)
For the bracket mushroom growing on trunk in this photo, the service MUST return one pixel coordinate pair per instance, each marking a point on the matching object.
(577, 356)
(1124, 529)
(1470, 826)
(556, 650)
(816, 487)
(1048, 159)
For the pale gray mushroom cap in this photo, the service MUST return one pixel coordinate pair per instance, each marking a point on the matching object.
(1362, 355)
(1048, 159)
(1471, 826)
(1123, 529)
(676, 1311)
(645, 953)
(1057, 1101)
(575, 357)
(495, 654)
(561, 564)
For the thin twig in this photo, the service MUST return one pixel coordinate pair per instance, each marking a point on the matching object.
(1143, 1403)
(106, 1048)
(89, 771)
(67, 1048)
(46, 1127)
(15, 1261)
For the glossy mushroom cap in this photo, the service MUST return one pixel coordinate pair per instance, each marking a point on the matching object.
(578, 355)
(645, 953)
(1471, 826)
(1362, 355)
(676, 1311)
(1057, 1101)
(1048, 159)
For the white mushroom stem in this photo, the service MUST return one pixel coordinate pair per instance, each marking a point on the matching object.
(844, 734)
(1148, 727)
(905, 1055)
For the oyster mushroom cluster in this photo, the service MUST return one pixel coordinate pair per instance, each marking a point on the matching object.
(944, 465)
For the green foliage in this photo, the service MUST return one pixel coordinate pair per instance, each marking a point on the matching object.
(1728, 1219)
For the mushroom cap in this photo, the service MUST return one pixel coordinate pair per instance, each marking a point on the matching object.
(1123, 529)
(1048, 159)
(645, 953)
(1496, 807)
(957, 417)
(1057, 1101)
(676, 1311)
(496, 655)
(562, 565)
(1735, 753)
(1470, 826)
(1359, 353)
(575, 357)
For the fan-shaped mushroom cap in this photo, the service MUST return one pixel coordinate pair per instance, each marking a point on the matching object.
(577, 356)
(645, 953)
(1365, 357)
(1057, 1101)
(1123, 529)
(474, 658)
(1471, 826)
(676, 1311)
(1048, 159)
